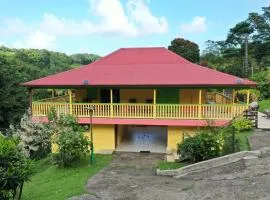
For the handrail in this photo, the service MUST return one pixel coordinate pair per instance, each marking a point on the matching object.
(144, 111)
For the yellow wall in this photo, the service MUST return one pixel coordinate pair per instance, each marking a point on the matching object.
(191, 96)
(141, 95)
(104, 138)
(176, 135)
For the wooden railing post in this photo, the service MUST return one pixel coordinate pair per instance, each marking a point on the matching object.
(111, 103)
(70, 101)
(155, 102)
(200, 104)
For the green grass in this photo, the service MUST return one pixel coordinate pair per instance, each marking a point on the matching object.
(264, 104)
(243, 137)
(171, 165)
(55, 183)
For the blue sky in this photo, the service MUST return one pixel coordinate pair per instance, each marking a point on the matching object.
(101, 26)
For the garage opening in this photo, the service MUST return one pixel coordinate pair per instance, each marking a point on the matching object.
(131, 138)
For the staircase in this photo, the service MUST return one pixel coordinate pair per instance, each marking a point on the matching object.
(252, 115)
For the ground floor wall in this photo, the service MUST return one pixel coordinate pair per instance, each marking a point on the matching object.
(103, 137)
(107, 137)
(176, 134)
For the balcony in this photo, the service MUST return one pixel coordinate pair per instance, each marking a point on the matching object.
(141, 111)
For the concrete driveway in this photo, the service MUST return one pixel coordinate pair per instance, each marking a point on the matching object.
(131, 176)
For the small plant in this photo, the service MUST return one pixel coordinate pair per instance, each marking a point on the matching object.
(35, 138)
(15, 168)
(203, 146)
(72, 144)
(242, 124)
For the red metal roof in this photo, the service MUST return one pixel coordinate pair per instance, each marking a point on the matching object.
(141, 67)
(152, 122)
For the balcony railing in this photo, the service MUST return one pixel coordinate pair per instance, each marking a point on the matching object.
(142, 111)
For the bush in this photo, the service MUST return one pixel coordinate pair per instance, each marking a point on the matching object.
(15, 168)
(242, 124)
(202, 146)
(231, 144)
(72, 143)
(35, 138)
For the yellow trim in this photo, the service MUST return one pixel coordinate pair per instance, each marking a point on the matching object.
(143, 111)
(111, 103)
(248, 94)
(200, 104)
(155, 102)
(70, 101)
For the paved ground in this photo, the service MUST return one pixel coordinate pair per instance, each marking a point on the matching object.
(131, 176)
(263, 122)
(260, 138)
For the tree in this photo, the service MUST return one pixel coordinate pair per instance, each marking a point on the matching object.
(21, 65)
(185, 48)
(15, 168)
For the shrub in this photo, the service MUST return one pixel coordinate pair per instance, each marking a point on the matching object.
(202, 146)
(35, 138)
(72, 144)
(15, 168)
(231, 144)
(242, 124)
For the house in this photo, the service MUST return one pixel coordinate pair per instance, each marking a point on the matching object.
(144, 99)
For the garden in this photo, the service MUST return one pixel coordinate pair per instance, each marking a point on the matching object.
(212, 142)
(29, 170)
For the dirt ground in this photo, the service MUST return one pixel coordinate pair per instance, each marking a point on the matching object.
(131, 176)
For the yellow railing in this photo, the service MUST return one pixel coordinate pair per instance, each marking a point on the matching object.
(146, 111)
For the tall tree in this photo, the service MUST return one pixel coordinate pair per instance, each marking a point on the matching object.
(185, 48)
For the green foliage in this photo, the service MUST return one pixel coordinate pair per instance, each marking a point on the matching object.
(264, 104)
(21, 65)
(72, 143)
(57, 183)
(35, 138)
(15, 168)
(228, 55)
(231, 143)
(185, 48)
(242, 124)
(171, 165)
(263, 80)
(203, 146)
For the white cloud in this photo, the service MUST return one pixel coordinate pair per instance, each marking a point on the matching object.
(2, 44)
(142, 16)
(112, 19)
(109, 17)
(197, 25)
(36, 40)
(13, 27)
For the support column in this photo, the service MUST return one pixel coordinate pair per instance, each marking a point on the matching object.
(154, 102)
(52, 93)
(248, 94)
(70, 101)
(30, 91)
(200, 104)
(111, 103)
(233, 107)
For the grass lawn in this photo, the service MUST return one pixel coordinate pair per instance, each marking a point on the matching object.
(171, 165)
(264, 104)
(54, 183)
(243, 137)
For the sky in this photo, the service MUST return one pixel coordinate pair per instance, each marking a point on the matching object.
(102, 26)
